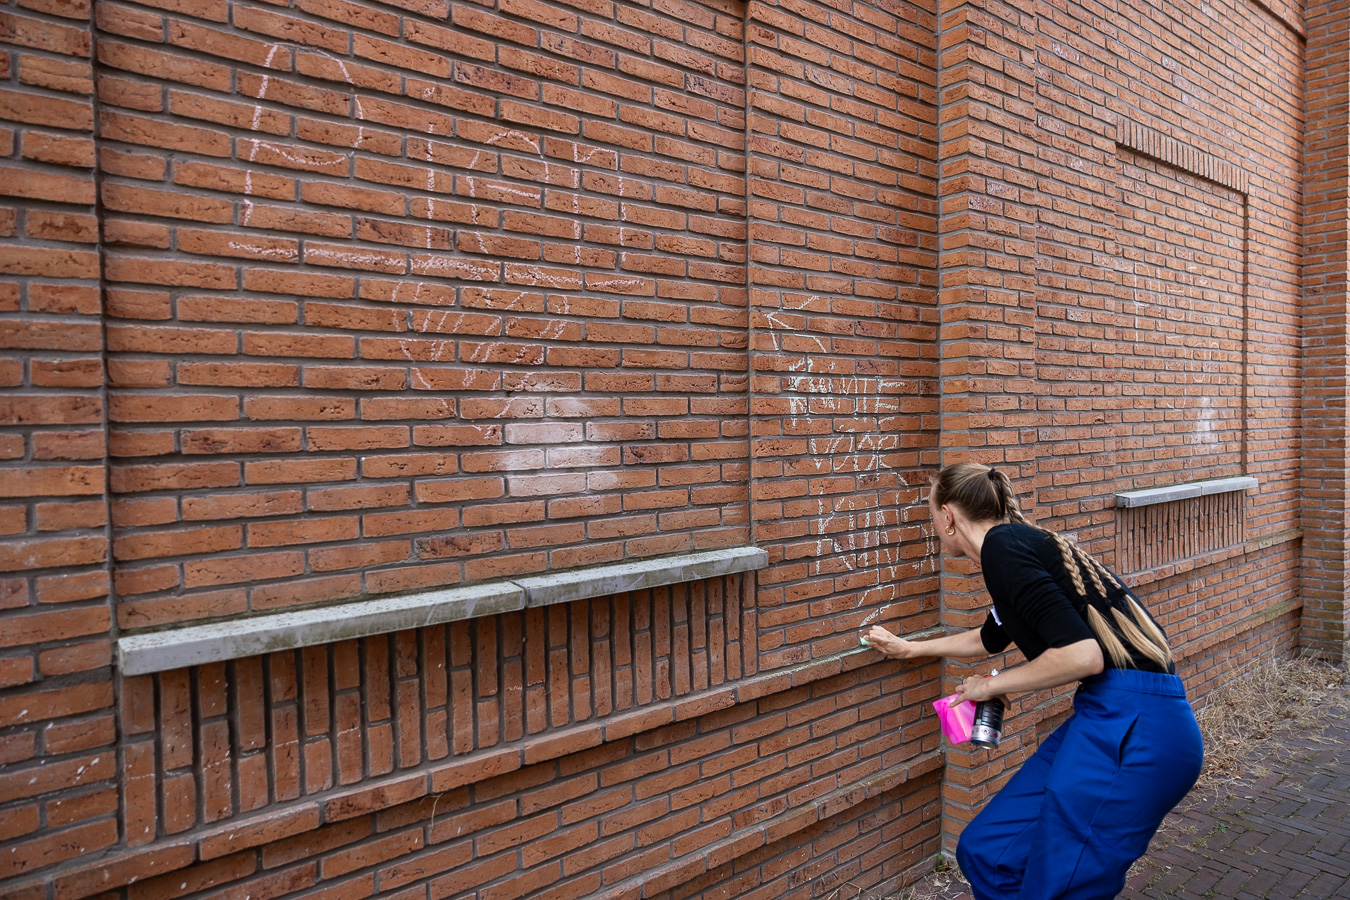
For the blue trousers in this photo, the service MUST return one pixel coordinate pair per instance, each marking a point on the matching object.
(1068, 825)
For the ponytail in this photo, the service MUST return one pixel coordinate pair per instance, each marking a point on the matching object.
(984, 493)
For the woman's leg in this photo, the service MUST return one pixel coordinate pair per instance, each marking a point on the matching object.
(1117, 774)
(994, 847)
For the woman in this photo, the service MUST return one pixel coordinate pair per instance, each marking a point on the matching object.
(1084, 807)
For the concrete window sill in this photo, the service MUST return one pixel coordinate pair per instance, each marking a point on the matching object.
(197, 645)
(1185, 491)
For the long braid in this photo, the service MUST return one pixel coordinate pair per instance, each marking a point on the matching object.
(1070, 564)
(1152, 646)
(1108, 637)
(1094, 569)
(1075, 561)
(1142, 633)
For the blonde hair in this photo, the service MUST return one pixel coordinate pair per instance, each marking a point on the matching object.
(985, 494)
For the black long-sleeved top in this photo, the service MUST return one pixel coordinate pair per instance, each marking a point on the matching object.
(1035, 603)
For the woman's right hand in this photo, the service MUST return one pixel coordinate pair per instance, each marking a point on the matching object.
(888, 644)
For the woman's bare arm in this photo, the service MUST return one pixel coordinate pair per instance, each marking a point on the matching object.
(1053, 668)
(961, 645)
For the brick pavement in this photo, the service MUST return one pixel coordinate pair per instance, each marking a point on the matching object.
(1282, 835)
(1285, 834)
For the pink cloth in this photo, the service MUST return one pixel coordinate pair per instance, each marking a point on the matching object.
(956, 720)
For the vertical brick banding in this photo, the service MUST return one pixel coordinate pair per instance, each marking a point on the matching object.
(989, 202)
(339, 714)
(57, 729)
(1149, 142)
(1326, 292)
(1151, 537)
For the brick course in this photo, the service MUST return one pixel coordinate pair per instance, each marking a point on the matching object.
(313, 301)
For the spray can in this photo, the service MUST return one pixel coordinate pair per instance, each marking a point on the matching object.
(987, 729)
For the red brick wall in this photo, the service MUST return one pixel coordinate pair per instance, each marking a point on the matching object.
(842, 302)
(989, 199)
(1202, 245)
(1121, 299)
(396, 303)
(1326, 482)
(391, 296)
(58, 733)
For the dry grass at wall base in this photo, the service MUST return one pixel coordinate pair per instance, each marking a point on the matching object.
(1242, 725)
(1245, 724)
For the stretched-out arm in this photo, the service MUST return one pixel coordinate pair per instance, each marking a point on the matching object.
(961, 645)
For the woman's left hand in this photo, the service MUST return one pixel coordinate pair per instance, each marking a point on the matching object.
(975, 688)
(1056, 666)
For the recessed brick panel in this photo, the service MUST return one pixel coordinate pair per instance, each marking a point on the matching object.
(843, 342)
(487, 302)
(1180, 367)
